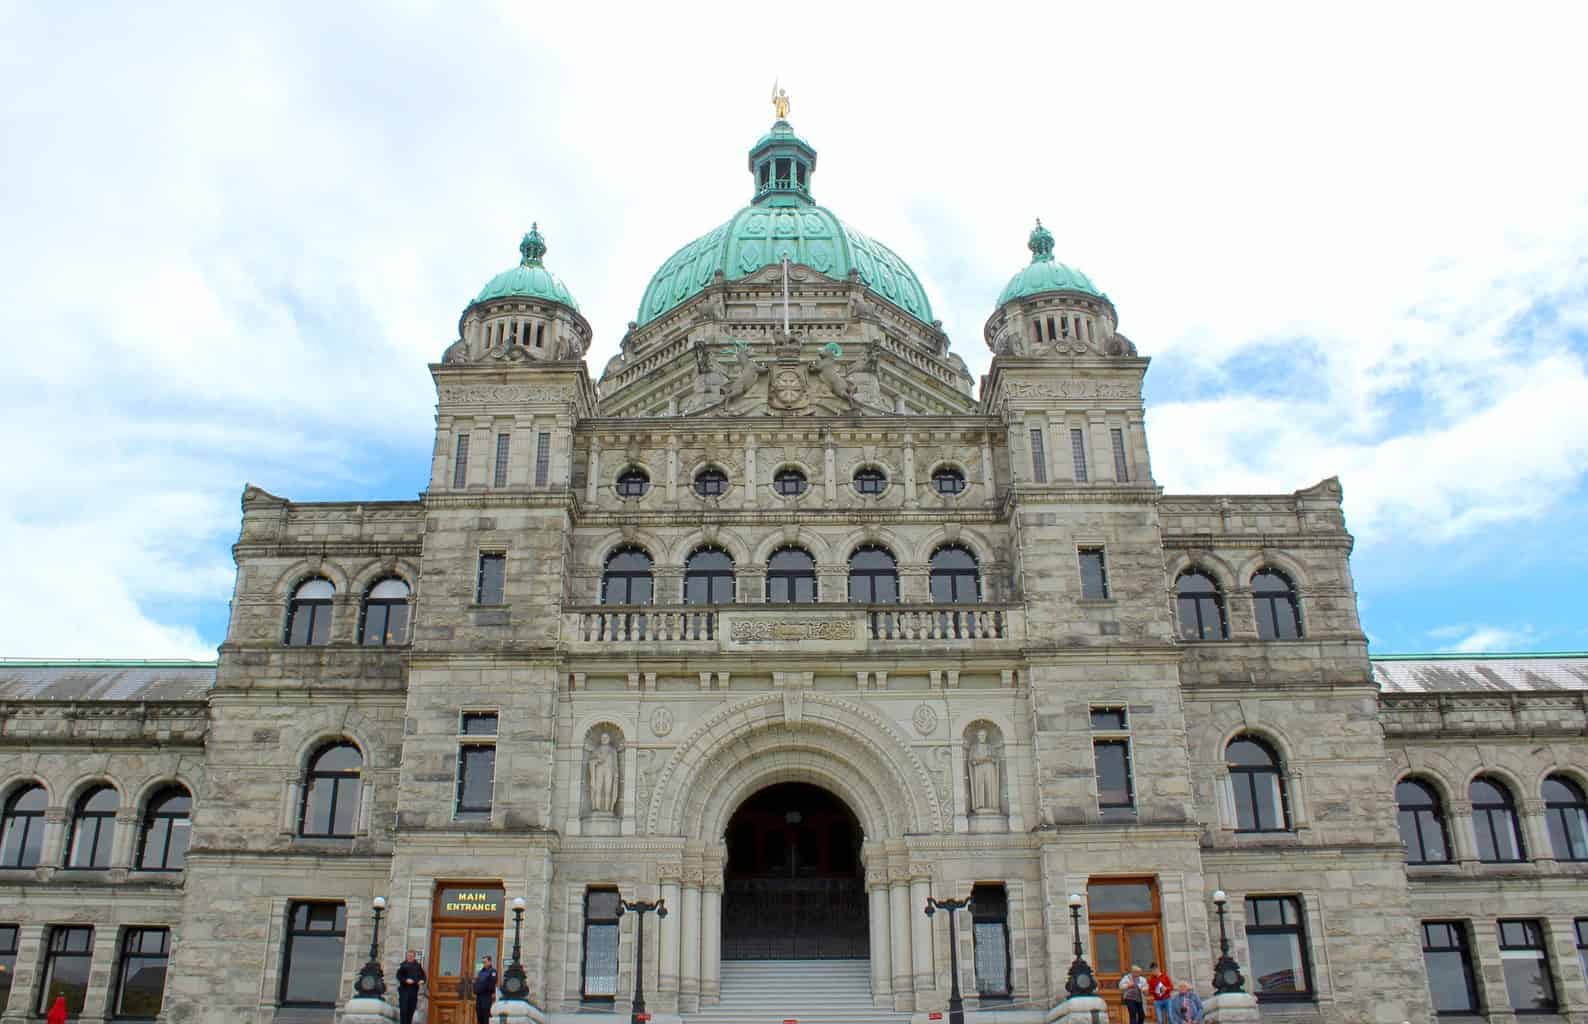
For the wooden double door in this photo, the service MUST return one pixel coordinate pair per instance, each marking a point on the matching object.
(465, 928)
(1127, 928)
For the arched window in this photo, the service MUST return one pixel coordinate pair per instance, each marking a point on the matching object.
(955, 577)
(1200, 607)
(708, 577)
(789, 482)
(627, 577)
(791, 577)
(331, 791)
(22, 828)
(873, 576)
(163, 846)
(385, 615)
(1261, 804)
(947, 480)
(1567, 812)
(1494, 820)
(1422, 823)
(93, 826)
(1278, 608)
(870, 480)
(711, 482)
(633, 483)
(309, 613)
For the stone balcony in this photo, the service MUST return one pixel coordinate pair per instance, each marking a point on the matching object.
(818, 628)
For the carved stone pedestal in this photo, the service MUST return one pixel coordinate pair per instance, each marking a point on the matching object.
(516, 1011)
(360, 1010)
(1231, 1008)
(602, 823)
(1080, 1010)
(988, 821)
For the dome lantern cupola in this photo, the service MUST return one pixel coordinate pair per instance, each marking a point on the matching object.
(782, 164)
(530, 279)
(1050, 304)
(524, 312)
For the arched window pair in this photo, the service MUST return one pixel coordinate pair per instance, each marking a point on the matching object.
(1202, 615)
(331, 790)
(790, 576)
(162, 844)
(382, 619)
(1257, 777)
(1496, 826)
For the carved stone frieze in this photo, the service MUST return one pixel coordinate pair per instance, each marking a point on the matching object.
(503, 394)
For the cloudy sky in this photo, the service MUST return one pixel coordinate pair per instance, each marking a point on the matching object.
(1354, 241)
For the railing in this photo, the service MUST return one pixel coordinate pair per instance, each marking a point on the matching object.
(937, 622)
(700, 624)
(640, 623)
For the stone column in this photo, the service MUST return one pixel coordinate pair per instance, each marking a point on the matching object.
(711, 940)
(921, 929)
(689, 959)
(899, 934)
(1464, 845)
(123, 846)
(52, 852)
(881, 954)
(1535, 830)
(667, 934)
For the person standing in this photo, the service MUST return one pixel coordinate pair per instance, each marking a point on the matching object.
(1187, 1005)
(57, 1011)
(1161, 989)
(410, 979)
(1132, 992)
(484, 992)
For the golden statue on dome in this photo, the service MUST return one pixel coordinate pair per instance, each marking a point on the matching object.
(779, 101)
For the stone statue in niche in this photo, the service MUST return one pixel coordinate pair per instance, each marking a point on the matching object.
(602, 769)
(985, 792)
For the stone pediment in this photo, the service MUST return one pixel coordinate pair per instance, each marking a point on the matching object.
(733, 380)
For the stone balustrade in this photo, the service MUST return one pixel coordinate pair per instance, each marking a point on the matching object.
(834, 627)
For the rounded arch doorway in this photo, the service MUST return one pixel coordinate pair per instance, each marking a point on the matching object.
(793, 886)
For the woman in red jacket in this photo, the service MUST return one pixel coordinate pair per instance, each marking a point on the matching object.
(1161, 989)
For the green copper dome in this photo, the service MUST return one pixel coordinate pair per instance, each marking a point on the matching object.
(783, 219)
(530, 279)
(1045, 274)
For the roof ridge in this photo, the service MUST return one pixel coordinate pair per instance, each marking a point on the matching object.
(1478, 656)
(106, 663)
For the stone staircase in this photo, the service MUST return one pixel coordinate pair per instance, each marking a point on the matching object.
(809, 991)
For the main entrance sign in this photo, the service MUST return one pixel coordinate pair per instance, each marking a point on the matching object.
(749, 630)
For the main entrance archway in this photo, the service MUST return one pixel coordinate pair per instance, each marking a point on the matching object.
(793, 887)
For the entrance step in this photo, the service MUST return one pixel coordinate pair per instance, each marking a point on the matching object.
(809, 991)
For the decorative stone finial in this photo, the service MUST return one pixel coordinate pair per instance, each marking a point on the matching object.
(1040, 243)
(534, 246)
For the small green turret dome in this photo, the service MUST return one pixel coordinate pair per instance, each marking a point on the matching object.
(1045, 274)
(782, 218)
(530, 279)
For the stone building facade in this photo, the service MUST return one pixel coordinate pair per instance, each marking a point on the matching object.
(786, 621)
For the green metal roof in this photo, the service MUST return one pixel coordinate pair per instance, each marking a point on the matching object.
(530, 279)
(1045, 274)
(783, 220)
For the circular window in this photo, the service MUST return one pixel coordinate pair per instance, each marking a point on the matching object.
(789, 482)
(633, 483)
(711, 482)
(948, 480)
(870, 480)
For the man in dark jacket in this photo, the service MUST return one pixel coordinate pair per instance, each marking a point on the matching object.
(410, 977)
(484, 992)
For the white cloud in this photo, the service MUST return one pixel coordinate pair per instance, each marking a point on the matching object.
(1477, 639)
(235, 241)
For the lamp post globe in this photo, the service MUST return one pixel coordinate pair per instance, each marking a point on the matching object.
(515, 986)
(1226, 972)
(1081, 981)
(370, 983)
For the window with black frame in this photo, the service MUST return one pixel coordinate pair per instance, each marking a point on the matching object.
(331, 789)
(1259, 784)
(1422, 823)
(1566, 811)
(1525, 960)
(166, 827)
(633, 483)
(1277, 606)
(1200, 607)
(384, 622)
(491, 584)
(22, 828)
(93, 829)
(9, 934)
(791, 577)
(955, 576)
(1495, 824)
(476, 779)
(989, 916)
(1448, 958)
(711, 482)
(870, 481)
(311, 971)
(309, 614)
(1276, 936)
(948, 480)
(708, 577)
(68, 954)
(600, 961)
(789, 482)
(140, 975)
(1094, 574)
(1580, 926)
(873, 576)
(627, 578)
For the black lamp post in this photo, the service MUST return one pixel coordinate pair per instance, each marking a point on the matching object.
(515, 987)
(640, 907)
(1226, 973)
(371, 983)
(956, 1005)
(1081, 981)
